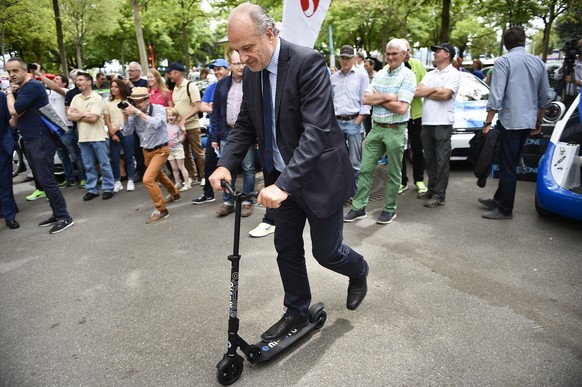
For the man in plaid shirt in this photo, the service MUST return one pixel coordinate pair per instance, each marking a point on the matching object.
(390, 92)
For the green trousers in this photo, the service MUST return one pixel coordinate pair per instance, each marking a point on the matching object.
(379, 141)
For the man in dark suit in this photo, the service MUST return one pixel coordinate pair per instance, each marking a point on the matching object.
(308, 174)
(8, 139)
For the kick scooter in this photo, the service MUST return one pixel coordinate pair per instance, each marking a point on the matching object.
(230, 367)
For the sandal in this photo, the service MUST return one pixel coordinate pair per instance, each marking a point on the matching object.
(432, 203)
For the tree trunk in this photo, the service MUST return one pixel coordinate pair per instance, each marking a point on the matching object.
(78, 53)
(60, 39)
(185, 46)
(2, 47)
(143, 56)
(445, 21)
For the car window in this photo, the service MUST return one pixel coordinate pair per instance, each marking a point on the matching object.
(572, 132)
(472, 89)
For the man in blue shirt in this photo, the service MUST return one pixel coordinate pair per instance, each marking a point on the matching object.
(221, 68)
(520, 94)
(39, 145)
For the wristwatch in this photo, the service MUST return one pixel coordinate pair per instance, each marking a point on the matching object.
(487, 123)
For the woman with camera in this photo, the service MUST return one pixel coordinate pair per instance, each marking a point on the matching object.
(159, 93)
(114, 120)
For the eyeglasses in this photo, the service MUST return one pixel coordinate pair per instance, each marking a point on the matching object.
(237, 64)
(392, 54)
(132, 70)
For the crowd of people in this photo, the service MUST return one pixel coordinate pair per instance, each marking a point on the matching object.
(319, 137)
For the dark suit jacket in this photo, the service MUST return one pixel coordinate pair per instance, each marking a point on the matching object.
(8, 135)
(318, 170)
(219, 127)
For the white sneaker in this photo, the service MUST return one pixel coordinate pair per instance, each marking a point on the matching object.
(117, 187)
(263, 229)
(130, 185)
(202, 182)
(185, 187)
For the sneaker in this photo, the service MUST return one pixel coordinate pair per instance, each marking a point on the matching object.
(185, 187)
(107, 195)
(157, 215)
(61, 225)
(37, 194)
(179, 185)
(171, 198)
(386, 217)
(403, 188)
(203, 199)
(82, 184)
(490, 204)
(263, 229)
(246, 211)
(130, 186)
(90, 196)
(496, 214)
(67, 183)
(421, 187)
(203, 182)
(117, 187)
(49, 222)
(425, 195)
(224, 210)
(354, 215)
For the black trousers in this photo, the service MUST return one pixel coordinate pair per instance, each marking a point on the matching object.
(328, 250)
(40, 154)
(415, 141)
(7, 202)
(210, 161)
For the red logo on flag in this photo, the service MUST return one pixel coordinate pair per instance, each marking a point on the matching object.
(309, 7)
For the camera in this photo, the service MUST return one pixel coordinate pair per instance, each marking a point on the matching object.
(571, 49)
(32, 67)
(123, 104)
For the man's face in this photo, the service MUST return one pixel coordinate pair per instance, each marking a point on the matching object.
(134, 73)
(369, 67)
(176, 76)
(346, 63)
(236, 65)
(220, 72)
(83, 83)
(255, 50)
(142, 104)
(441, 56)
(59, 81)
(16, 73)
(394, 57)
(100, 79)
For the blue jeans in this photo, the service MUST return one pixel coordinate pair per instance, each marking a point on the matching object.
(510, 149)
(353, 134)
(71, 153)
(126, 143)
(92, 152)
(248, 167)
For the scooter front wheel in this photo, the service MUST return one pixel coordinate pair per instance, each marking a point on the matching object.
(229, 369)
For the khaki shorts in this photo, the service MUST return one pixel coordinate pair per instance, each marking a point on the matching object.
(177, 154)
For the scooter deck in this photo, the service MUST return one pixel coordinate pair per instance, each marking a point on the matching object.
(269, 349)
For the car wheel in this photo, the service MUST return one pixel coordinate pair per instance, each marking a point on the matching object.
(17, 162)
(541, 211)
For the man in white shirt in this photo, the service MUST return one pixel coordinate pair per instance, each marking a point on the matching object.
(439, 89)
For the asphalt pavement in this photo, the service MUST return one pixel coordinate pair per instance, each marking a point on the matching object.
(453, 299)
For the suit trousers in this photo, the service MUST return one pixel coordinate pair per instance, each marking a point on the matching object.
(327, 249)
(154, 161)
(192, 143)
(40, 153)
(510, 148)
(436, 140)
(414, 130)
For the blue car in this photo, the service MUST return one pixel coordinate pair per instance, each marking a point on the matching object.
(558, 189)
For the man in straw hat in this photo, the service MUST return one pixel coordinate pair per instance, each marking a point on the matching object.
(149, 122)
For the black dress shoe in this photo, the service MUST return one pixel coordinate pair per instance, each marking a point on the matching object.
(357, 290)
(89, 196)
(12, 224)
(107, 195)
(283, 326)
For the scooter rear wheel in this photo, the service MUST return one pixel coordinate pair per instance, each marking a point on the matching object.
(229, 370)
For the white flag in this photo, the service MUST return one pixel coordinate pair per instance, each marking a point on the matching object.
(302, 20)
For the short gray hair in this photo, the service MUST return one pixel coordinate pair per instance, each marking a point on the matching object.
(260, 18)
(397, 43)
(137, 65)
